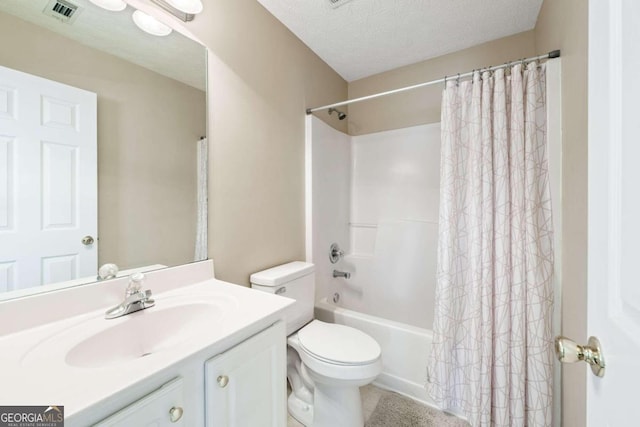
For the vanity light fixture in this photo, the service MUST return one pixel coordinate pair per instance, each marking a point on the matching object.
(184, 10)
(111, 5)
(187, 6)
(149, 24)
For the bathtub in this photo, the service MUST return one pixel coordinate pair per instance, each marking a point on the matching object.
(405, 348)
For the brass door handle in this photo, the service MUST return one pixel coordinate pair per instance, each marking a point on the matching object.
(567, 351)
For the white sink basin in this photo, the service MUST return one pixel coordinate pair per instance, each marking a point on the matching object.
(99, 343)
(142, 333)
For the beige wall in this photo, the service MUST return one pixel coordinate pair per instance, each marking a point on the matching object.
(261, 80)
(147, 128)
(563, 24)
(422, 106)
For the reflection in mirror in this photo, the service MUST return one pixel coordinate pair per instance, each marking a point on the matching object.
(99, 132)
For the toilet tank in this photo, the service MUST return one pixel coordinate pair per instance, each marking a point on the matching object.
(293, 280)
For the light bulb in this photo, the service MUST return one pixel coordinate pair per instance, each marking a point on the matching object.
(187, 6)
(149, 24)
(112, 5)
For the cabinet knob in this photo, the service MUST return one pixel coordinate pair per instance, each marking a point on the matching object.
(175, 413)
(223, 380)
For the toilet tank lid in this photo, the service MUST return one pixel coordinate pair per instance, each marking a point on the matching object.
(281, 274)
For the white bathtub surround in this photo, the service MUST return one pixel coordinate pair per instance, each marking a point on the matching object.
(328, 157)
(377, 196)
(397, 280)
(395, 175)
(395, 182)
(493, 322)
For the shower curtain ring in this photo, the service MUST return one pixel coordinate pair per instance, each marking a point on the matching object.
(458, 80)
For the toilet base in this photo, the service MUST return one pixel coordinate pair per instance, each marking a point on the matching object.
(300, 410)
(337, 406)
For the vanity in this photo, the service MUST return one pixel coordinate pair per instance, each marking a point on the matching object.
(103, 160)
(208, 353)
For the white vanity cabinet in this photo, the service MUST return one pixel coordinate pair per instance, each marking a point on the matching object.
(154, 367)
(161, 408)
(246, 385)
(242, 386)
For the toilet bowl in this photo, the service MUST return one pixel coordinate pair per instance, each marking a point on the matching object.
(327, 363)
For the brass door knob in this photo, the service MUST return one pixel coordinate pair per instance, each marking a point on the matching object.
(87, 240)
(567, 351)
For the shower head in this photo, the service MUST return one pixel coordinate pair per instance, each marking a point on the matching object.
(341, 115)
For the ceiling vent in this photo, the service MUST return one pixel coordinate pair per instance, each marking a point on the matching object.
(337, 3)
(62, 10)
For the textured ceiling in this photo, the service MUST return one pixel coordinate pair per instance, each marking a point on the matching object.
(366, 37)
(174, 56)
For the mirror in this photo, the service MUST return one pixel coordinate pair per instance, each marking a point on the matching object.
(100, 125)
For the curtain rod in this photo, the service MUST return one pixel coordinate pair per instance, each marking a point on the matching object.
(552, 54)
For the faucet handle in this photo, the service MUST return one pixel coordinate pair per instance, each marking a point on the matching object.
(107, 271)
(335, 253)
(135, 283)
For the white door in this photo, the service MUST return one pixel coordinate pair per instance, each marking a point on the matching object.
(48, 181)
(246, 386)
(614, 209)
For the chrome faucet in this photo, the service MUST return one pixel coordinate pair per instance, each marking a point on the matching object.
(344, 274)
(135, 299)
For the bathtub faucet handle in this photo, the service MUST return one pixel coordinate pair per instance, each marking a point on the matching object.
(335, 253)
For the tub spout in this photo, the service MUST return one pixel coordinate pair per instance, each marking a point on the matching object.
(344, 274)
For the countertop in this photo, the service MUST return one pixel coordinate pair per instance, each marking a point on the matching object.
(34, 369)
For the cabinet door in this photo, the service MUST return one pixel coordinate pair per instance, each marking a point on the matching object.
(246, 385)
(161, 408)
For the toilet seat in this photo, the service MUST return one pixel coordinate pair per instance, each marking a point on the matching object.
(338, 344)
(356, 366)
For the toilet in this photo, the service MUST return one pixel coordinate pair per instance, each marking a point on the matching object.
(327, 363)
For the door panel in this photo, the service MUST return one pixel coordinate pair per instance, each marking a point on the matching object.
(48, 181)
(7, 184)
(59, 181)
(614, 207)
(59, 268)
(7, 276)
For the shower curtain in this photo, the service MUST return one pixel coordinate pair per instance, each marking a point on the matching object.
(201, 221)
(492, 348)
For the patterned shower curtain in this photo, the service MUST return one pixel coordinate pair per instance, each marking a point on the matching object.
(202, 153)
(492, 347)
